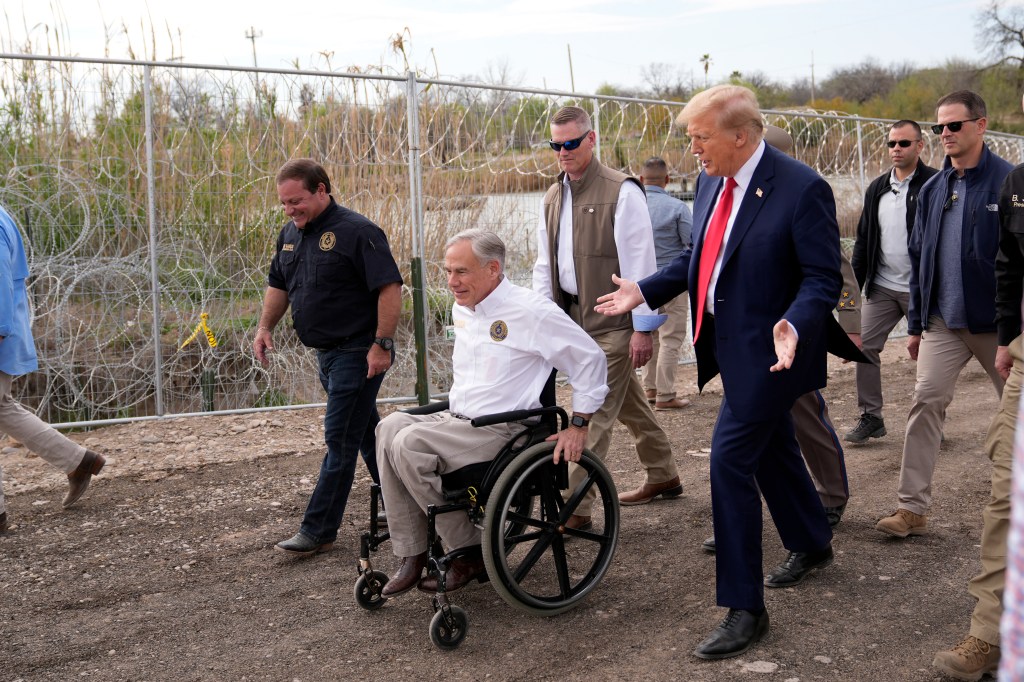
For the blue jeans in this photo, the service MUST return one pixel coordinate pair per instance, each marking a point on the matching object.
(348, 429)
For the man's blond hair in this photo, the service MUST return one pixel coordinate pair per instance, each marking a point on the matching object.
(732, 106)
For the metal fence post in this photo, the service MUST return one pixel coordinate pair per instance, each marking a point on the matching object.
(596, 120)
(154, 273)
(419, 283)
(860, 158)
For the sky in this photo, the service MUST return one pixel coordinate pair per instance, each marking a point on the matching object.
(611, 42)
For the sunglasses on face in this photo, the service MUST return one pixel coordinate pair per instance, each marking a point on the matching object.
(568, 144)
(954, 126)
(902, 143)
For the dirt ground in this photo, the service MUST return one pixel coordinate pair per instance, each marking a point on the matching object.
(165, 570)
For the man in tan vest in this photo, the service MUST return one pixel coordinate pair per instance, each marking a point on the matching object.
(594, 223)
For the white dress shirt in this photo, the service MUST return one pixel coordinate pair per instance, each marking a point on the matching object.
(634, 241)
(743, 177)
(506, 347)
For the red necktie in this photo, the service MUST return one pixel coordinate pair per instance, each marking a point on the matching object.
(712, 245)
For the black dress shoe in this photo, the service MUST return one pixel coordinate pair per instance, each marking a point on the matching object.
(738, 632)
(797, 566)
(834, 515)
(709, 545)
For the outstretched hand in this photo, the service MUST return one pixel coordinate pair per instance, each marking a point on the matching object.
(785, 345)
(622, 300)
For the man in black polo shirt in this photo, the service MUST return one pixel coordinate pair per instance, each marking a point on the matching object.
(336, 270)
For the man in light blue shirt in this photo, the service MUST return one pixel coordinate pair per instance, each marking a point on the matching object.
(17, 357)
(672, 221)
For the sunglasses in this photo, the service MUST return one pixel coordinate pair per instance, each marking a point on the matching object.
(954, 126)
(902, 143)
(568, 144)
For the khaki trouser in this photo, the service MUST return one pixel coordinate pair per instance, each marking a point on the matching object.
(35, 434)
(942, 356)
(987, 586)
(413, 450)
(660, 372)
(626, 403)
(820, 447)
(878, 317)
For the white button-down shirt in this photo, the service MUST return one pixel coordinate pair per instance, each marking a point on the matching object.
(634, 241)
(506, 346)
(743, 177)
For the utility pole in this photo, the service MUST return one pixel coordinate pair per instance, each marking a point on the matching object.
(572, 78)
(812, 79)
(252, 34)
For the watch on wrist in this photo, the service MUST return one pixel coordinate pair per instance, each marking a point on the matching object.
(385, 342)
(579, 422)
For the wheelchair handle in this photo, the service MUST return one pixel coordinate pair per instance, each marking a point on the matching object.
(520, 415)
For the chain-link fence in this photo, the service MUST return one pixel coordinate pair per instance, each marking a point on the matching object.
(145, 192)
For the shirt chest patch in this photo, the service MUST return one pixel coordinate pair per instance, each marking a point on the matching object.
(288, 247)
(499, 330)
(327, 241)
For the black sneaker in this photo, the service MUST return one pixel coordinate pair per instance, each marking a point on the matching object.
(870, 426)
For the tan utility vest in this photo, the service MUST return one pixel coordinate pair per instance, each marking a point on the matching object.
(595, 258)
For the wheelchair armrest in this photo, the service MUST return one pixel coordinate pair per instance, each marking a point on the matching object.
(429, 408)
(519, 415)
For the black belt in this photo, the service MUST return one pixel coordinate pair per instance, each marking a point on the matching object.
(344, 341)
(570, 298)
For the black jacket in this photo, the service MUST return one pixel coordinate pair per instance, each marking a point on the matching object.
(1010, 259)
(868, 246)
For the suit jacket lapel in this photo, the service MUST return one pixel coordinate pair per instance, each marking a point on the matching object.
(754, 199)
(703, 204)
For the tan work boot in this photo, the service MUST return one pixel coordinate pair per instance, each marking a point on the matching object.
(969, 660)
(903, 523)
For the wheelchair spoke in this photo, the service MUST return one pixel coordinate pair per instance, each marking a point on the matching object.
(573, 502)
(561, 567)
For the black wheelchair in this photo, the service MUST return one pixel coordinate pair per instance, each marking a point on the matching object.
(520, 502)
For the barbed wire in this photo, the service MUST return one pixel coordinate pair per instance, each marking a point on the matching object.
(73, 140)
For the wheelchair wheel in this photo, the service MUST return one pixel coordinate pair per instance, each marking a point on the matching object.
(448, 631)
(367, 590)
(546, 568)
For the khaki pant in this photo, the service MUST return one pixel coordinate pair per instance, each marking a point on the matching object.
(942, 356)
(987, 586)
(660, 372)
(35, 434)
(626, 403)
(820, 448)
(413, 450)
(878, 317)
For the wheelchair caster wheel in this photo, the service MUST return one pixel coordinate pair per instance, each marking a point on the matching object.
(367, 590)
(448, 633)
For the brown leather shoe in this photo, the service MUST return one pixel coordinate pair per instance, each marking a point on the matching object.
(78, 479)
(577, 522)
(408, 574)
(651, 394)
(648, 491)
(674, 404)
(459, 574)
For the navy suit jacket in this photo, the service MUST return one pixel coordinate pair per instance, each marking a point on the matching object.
(781, 262)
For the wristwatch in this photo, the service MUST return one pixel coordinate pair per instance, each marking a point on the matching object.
(579, 422)
(385, 342)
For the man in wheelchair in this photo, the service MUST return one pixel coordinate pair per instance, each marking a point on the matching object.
(507, 340)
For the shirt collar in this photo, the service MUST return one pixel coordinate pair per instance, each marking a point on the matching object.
(656, 189)
(894, 181)
(494, 299)
(746, 172)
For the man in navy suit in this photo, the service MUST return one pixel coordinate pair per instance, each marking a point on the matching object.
(763, 279)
